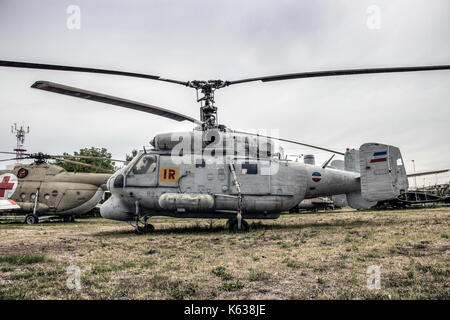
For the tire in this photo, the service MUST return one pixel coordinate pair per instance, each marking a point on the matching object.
(31, 219)
(145, 229)
(148, 228)
(233, 225)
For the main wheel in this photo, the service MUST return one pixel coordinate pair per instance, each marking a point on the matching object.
(233, 225)
(31, 219)
(147, 228)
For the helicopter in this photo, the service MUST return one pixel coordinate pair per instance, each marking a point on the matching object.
(215, 172)
(45, 191)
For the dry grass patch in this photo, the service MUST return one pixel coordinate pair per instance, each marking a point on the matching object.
(298, 256)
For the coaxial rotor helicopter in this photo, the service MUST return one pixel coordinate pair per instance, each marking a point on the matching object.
(42, 190)
(215, 172)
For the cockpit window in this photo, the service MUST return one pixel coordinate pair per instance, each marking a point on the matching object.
(145, 165)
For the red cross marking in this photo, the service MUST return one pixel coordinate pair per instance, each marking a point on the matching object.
(5, 185)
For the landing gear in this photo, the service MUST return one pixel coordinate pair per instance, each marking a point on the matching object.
(146, 228)
(139, 227)
(31, 219)
(232, 225)
(69, 219)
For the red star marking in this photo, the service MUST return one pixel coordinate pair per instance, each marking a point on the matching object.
(5, 185)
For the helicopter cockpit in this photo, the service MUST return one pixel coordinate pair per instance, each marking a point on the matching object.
(141, 171)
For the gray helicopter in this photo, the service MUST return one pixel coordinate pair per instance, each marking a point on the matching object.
(216, 172)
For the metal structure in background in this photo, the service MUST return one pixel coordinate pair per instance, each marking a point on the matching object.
(20, 135)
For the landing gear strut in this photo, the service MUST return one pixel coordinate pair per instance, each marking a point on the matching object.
(139, 227)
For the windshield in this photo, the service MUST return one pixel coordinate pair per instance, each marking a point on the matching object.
(145, 165)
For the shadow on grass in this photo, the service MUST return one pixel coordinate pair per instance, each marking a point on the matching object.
(20, 220)
(254, 226)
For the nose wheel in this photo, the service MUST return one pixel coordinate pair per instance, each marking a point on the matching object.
(146, 228)
(143, 227)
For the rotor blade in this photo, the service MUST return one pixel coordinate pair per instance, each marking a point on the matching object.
(291, 141)
(88, 157)
(99, 97)
(85, 165)
(12, 159)
(426, 173)
(28, 65)
(7, 152)
(329, 73)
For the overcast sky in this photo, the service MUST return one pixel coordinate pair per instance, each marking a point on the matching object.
(230, 40)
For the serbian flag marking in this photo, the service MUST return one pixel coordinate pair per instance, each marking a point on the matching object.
(316, 176)
(379, 157)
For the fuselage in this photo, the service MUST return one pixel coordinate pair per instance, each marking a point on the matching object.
(202, 186)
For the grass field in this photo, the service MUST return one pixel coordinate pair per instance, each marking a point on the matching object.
(298, 256)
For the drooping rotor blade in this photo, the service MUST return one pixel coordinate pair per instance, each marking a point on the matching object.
(100, 97)
(291, 141)
(86, 165)
(28, 65)
(88, 157)
(426, 173)
(329, 73)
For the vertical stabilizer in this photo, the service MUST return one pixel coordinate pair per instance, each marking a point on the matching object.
(383, 174)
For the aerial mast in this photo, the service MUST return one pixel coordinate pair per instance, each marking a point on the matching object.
(20, 135)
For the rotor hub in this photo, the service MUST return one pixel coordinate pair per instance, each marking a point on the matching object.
(208, 111)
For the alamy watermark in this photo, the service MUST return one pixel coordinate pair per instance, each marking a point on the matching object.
(373, 21)
(218, 147)
(74, 19)
(74, 279)
(374, 277)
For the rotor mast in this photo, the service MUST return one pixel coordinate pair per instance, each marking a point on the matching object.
(208, 111)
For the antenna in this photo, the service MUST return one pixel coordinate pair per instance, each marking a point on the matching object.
(20, 135)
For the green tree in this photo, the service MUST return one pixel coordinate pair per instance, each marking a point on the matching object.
(128, 158)
(91, 152)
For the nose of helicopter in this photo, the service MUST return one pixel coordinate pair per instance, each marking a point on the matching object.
(115, 209)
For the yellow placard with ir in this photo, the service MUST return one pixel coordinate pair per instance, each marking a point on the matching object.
(169, 174)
